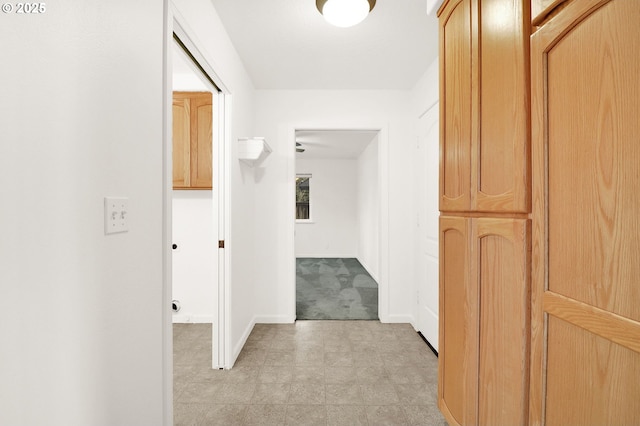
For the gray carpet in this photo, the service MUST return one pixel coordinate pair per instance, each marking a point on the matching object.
(334, 289)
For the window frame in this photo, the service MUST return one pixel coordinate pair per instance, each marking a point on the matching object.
(308, 176)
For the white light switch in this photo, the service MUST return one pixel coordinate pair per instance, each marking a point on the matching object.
(116, 214)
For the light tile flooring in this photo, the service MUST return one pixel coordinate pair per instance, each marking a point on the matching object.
(308, 373)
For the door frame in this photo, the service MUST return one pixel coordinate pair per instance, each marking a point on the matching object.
(221, 347)
(383, 188)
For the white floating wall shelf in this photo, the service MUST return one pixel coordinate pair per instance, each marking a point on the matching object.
(253, 150)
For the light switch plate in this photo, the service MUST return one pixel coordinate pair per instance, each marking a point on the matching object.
(116, 215)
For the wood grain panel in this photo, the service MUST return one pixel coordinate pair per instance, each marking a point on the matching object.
(181, 138)
(593, 159)
(585, 228)
(502, 270)
(201, 176)
(455, 118)
(458, 334)
(192, 140)
(590, 380)
(620, 330)
(500, 165)
(540, 9)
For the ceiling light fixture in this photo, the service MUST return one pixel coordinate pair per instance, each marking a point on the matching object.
(345, 13)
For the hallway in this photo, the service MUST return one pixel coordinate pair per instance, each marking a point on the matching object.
(308, 373)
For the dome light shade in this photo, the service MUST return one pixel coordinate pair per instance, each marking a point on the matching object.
(345, 13)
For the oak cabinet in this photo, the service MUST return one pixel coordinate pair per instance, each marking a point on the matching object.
(540, 320)
(543, 9)
(500, 264)
(585, 360)
(458, 327)
(455, 100)
(484, 91)
(485, 200)
(484, 318)
(192, 140)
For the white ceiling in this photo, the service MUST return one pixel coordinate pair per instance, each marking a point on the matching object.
(333, 144)
(286, 44)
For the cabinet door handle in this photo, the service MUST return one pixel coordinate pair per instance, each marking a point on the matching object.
(174, 246)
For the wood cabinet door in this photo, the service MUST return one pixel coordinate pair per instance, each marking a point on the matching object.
(455, 101)
(484, 320)
(458, 334)
(500, 156)
(585, 359)
(181, 142)
(201, 141)
(192, 140)
(501, 267)
(541, 9)
(484, 92)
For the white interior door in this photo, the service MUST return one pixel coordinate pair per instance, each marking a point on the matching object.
(427, 244)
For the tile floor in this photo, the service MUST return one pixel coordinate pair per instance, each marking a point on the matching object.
(308, 373)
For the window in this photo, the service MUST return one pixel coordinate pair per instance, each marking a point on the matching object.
(303, 211)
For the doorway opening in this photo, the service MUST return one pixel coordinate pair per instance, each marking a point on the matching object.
(198, 196)
(337, 224)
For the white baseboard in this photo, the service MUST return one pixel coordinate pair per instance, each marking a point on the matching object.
(368, 269)
(263, 319)
(240, 344)
(414, 324)
(401, 319)
(195, 319)
(274, 319)
(431, 333)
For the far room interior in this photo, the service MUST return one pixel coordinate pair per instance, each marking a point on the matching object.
(337, 220)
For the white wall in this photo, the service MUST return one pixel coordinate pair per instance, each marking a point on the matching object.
(277, 113)
(333, 230)
(433, 6)
(368, 209)
(207, 31)
(195, 258)
(81, 110)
